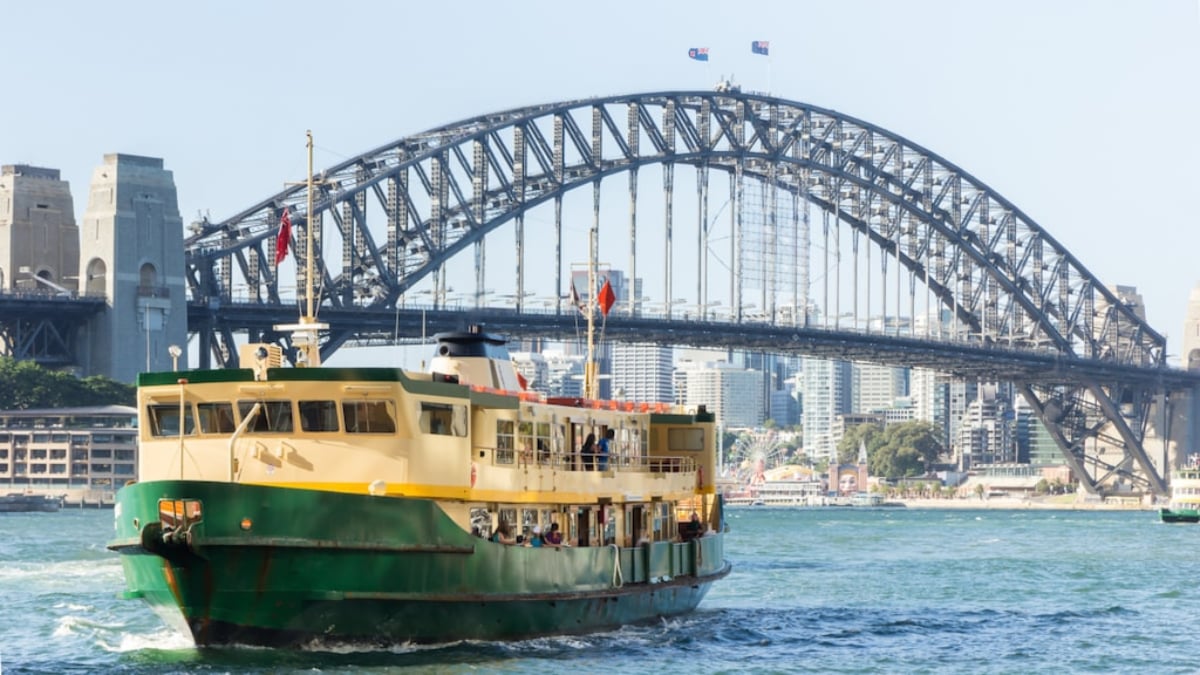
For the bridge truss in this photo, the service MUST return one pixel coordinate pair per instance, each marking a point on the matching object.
(826, 222)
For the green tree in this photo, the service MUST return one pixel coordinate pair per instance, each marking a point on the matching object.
(871, 434)
(25, 385)
(901, 450)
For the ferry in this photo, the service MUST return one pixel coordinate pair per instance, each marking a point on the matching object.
(1185, 497)
(17, 502)
(296, 506)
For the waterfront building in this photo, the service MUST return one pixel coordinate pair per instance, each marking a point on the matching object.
(985, 431)
(86, 453)
(1034, 444)
(827, 391)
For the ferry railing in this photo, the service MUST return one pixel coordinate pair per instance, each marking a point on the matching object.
(562, 461)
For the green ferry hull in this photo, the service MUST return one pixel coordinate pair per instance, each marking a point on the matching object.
(1179, 515)
(274, 566)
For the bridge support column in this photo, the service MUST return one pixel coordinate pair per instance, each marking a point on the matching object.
(134, 255)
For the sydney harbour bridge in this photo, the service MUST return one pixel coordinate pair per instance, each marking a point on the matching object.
(741, 221)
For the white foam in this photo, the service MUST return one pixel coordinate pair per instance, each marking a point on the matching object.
(163, 639)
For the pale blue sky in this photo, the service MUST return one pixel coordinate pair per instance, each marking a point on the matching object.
(1081, 113)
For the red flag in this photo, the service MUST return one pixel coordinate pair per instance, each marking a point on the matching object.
(284, 237)
(607, 298)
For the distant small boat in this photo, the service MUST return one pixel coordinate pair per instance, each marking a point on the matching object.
(1179, 515)
(16, 502)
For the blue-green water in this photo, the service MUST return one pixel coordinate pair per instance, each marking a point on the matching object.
(813, 590)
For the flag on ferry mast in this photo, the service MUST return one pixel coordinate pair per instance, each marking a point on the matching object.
(284, 237)
(698, 53)
(575, 298)
(760, 47)
(606, 298)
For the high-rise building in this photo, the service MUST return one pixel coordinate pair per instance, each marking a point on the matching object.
(642, 372)
(732, 394)
(985, 433)
(876, 387)
(827, 394)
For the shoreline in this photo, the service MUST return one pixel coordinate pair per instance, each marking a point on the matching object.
(1060, 503)
(1016, 503)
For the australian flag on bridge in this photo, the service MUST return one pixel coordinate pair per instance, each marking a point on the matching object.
(698, 53)
(760, 47)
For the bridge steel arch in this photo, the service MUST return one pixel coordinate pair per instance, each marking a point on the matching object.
(399, 213)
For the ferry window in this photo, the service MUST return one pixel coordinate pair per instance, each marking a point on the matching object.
(318, 416)
(685, 440)
(215, 418)
(505, 442)
(369, 417)
(164, 420)
(275, 416)
(525, 440)
(542, 442)
(481, 522)
(528, 520)
(458, 420)
(508, 516)
(436, 418)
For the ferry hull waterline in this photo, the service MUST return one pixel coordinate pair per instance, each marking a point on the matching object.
(286, 567)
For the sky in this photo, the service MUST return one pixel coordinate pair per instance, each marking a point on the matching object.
(1082, 114)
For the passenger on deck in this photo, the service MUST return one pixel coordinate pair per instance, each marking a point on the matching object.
(503, 534)
(535, 540)
(605, 448)
(589, 452)
(693, 528)
(554, 537)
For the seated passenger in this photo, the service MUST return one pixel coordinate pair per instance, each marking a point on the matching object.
(535, 540)
(554, 537)
(503, 534)
(693, 528)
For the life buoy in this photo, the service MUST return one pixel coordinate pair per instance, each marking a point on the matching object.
(473, 471)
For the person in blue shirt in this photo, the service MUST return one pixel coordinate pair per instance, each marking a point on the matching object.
(603, 449)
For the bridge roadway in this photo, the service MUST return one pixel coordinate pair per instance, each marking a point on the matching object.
(979, 360)
(42, 326)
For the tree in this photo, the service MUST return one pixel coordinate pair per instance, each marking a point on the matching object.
(900, 450)
(869, 433)
(25, 385)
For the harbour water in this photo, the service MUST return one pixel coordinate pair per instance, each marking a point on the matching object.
(827, 590)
